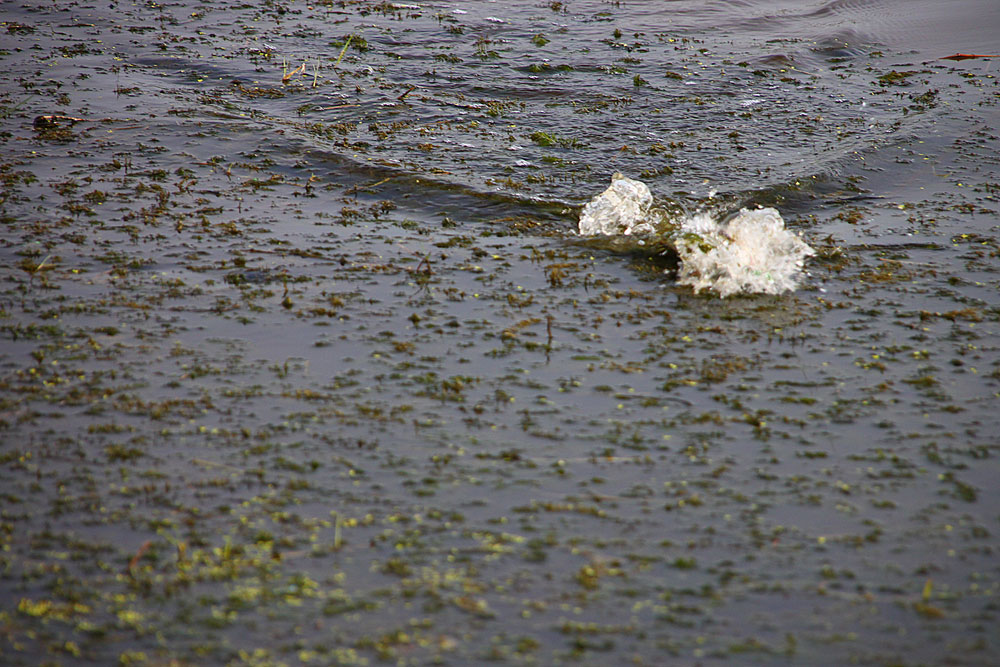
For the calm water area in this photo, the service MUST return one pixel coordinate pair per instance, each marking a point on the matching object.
(302, 361)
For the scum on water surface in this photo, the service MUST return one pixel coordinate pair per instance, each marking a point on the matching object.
(308, 366)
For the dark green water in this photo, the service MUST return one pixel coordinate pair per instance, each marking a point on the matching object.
(316, 371)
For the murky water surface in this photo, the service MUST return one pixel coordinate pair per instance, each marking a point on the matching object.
(304, 363)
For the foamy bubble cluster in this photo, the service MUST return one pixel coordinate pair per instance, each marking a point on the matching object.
(752, 253)
(624, 208)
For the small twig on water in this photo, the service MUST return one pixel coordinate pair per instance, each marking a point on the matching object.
(967, 56)
(337, 540)
(138, 555)
(343, 50)
(424, 265)
(301, 69)
(358, 188)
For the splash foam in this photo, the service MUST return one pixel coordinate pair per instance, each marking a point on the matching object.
(752, 253)
(624, 208)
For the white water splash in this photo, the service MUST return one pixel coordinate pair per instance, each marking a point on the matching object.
(624, 208)
(752, 253)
